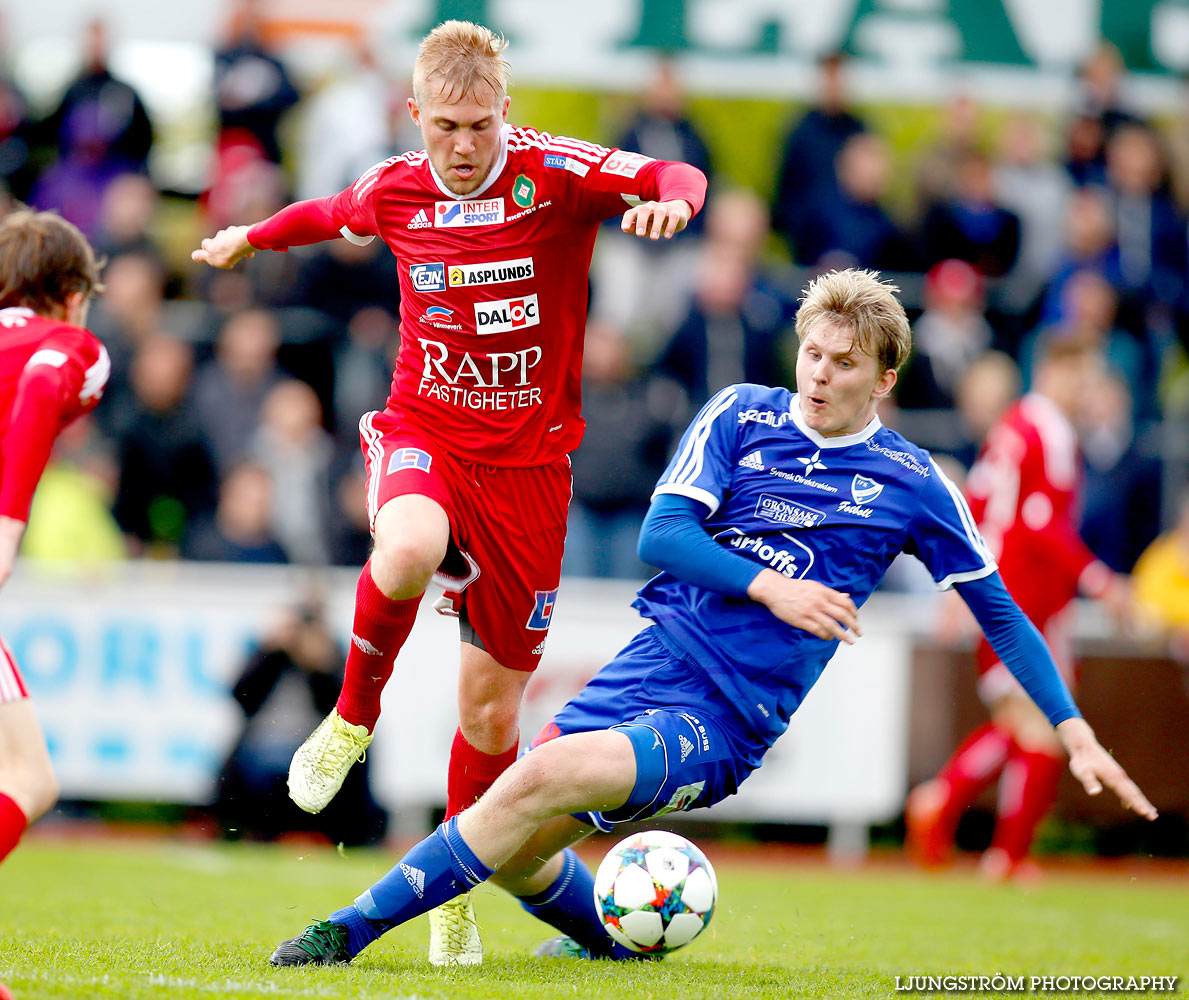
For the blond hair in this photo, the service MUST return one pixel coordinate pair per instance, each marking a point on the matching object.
(465, 58)
(867, 306)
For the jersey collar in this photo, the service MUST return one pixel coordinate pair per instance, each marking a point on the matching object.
(496, 169)
(831, 442)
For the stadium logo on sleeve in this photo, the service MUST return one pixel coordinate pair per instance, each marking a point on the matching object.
(506, 314)
(556, 162)
(523, 191)
(491, 272)
(428, 277)
(782, 511)
(463, 214)
(624, 164)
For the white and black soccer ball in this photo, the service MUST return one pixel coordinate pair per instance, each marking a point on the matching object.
(655, 891)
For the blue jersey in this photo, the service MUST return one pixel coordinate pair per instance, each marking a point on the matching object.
(832, 509)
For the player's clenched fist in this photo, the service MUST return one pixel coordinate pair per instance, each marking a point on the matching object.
(808, 605)
(654, 219)
(225, 249)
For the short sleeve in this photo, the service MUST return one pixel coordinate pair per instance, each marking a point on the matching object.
(353, 209)
(944, 536)
(704, 462)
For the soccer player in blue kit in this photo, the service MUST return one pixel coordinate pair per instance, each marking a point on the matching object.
(775, 520)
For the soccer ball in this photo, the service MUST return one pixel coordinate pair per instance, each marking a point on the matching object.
(655, 891)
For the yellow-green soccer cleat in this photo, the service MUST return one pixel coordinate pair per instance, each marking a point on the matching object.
(454, 933)
(321, 763)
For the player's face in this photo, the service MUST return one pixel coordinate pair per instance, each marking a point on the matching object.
(839, 386)
(462, 136)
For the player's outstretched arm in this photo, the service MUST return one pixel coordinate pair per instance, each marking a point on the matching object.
(225, 249)
(1090, 763)
(654, 219)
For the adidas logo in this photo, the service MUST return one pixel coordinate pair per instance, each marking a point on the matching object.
(364, 646)
(416, 878)
(540, 648)
(686, 747)
(420, 220)
(753, 461)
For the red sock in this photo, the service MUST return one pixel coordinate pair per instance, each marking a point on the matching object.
(974, 765)
(1028, 789)
(380, 629)
(472, 772)
(13, 822)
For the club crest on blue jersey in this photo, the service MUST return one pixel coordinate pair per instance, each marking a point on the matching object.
(409, 458)
(864, 490)
(543, 611)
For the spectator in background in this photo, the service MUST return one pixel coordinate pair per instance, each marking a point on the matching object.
(1088, 310)
(948, 336)
(71, 529)
(131, 311)
(1162, 583)
(971, 225)
(851, 227)
(638, 286)
(1150, 235)
(1098, 113)
(984, 392)
(1089, 245)
(733, 330)
(100, 130)
(126, 218)
(1121, 507)
(1030, 183)
(350, 532)
(240, 530)
(632, 420)
(290, 680)
(297, 452)
(167, 476)
(347, 125)
(362, 362)
(937, 166)
(230, 389)
(252, 87)
(340, 278)
(17, 134)
(807, 162)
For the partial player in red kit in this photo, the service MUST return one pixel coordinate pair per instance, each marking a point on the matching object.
(492, 228)
(1023, 491)
(51, 371)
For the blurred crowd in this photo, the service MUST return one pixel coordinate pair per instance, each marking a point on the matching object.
(229, 431)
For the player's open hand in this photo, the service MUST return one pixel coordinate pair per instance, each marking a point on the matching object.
(1094, 767)
(225, 249)
(808, 605)
(654, 219)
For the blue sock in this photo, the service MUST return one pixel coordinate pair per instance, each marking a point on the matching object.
(568, 904)
(436, 870)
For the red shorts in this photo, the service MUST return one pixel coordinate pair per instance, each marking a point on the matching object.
(507, 526)
(12, 685)
(995, 680)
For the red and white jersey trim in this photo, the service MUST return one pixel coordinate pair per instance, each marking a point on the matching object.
(12, 685)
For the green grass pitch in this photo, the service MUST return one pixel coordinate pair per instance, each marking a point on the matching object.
(161, 919)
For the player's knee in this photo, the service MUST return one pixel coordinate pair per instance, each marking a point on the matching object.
(35, 789)
(490, 726)
(404, 561)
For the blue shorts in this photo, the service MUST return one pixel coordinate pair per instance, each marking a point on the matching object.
(691, 750)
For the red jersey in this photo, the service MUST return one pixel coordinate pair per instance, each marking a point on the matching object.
(1023, 492)
(50, 373)
(494, 286)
